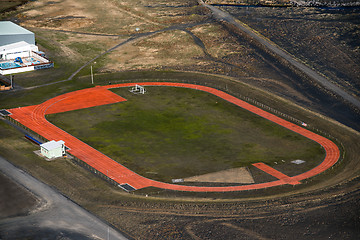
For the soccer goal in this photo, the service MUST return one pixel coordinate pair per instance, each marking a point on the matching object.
(138, 89)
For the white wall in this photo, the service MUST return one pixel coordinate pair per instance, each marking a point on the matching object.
(17, 70)
(14, 55)
(53, 153)
(19, 49)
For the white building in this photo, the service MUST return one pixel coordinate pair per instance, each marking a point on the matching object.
(12, 33)
(53, 149)
(19, 49)
(18, 52)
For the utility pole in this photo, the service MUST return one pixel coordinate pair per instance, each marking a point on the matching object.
(92, 77)
(11, 81)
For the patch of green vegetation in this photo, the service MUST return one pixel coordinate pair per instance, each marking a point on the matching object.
(7, 5)
(60, 37)
(176, 133)
(86, 49)
(46, 44)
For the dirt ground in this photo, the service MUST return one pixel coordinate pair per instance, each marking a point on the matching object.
(235, 175)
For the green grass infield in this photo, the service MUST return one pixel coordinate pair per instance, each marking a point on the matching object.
(171, 133)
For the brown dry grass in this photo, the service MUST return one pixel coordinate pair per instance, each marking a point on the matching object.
(63, 30)
(167, 49)
(100, 16)
(162, 49)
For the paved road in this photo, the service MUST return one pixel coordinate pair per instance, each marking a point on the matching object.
(58, 217)
(224, 16)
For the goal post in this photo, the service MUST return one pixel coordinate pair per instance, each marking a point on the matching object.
(138, 89)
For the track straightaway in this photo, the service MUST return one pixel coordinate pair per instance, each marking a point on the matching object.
(33, 117)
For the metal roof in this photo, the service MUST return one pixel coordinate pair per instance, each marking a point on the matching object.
(10, 28)
(52, 145)
(16, 45)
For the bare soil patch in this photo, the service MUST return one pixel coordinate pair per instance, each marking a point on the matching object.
(236, 175)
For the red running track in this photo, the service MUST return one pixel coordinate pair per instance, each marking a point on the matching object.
(33, 117)
(276, 173)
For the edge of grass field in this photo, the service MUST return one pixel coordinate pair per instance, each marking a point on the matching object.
(280, 104)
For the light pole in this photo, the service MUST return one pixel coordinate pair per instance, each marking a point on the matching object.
(92, 77)
(91, 73)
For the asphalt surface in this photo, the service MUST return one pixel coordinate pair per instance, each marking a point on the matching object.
(57, 217)
(224, 16)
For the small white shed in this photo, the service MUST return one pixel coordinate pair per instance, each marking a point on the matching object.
(53, 149)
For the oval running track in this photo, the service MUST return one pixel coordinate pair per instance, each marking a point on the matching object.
(33, 117)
